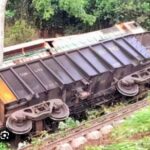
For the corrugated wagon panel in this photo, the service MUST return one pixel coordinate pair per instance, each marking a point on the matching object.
(101, 67)
(129, 49)
(43, 75)
(106, 56)
(82, 63)
(119, 53)
(70, 67)
(137, 46)
(15, 84)
(58, 70)
(29, 79)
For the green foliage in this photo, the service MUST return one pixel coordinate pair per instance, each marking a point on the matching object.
(10, 14)
(93, 148)
(18, 9)
(112, 11)
(139, 122)
(124, 136)
(44, 7)
(4, 146)
(139, 12)
(36, 142)
(77, 9)
(95, 113)
(106, 9)
(122, 146)
(69, 123)
(143, 144)
(20, 32)
(76, 16)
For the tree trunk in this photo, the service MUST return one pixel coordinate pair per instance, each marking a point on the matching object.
(2, 22)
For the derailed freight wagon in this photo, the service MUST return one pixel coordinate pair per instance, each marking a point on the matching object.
(24, 52)
(36, 94)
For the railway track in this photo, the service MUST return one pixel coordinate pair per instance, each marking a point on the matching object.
(93, 125)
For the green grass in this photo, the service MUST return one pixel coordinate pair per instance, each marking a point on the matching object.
(4, 146)
(69, 123)
(125, 136)
(139, 122)
(143, 144)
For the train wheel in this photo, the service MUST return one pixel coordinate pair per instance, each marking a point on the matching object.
(128, 90)
(20, 127)
(60, 111)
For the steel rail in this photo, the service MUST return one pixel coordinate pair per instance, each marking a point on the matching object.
(95, 124)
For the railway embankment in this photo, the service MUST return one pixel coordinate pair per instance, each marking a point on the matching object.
(132, 134)
(94, 132)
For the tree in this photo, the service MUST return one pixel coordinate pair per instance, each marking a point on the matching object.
(2, 18)
(47, 9)
(75, 16)
(77, 8)
(44, 7)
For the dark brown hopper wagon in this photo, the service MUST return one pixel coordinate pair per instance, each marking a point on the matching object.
(36, 94)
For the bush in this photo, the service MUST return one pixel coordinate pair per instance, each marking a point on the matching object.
(69, 123)
(20, 32)
(4, 146)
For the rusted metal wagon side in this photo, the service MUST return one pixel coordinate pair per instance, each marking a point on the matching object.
(38, 94)
(143, 38)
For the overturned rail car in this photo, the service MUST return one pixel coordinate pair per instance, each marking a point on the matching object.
(37, 94)
(25, 52)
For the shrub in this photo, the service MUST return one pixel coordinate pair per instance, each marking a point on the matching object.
(20, 32)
